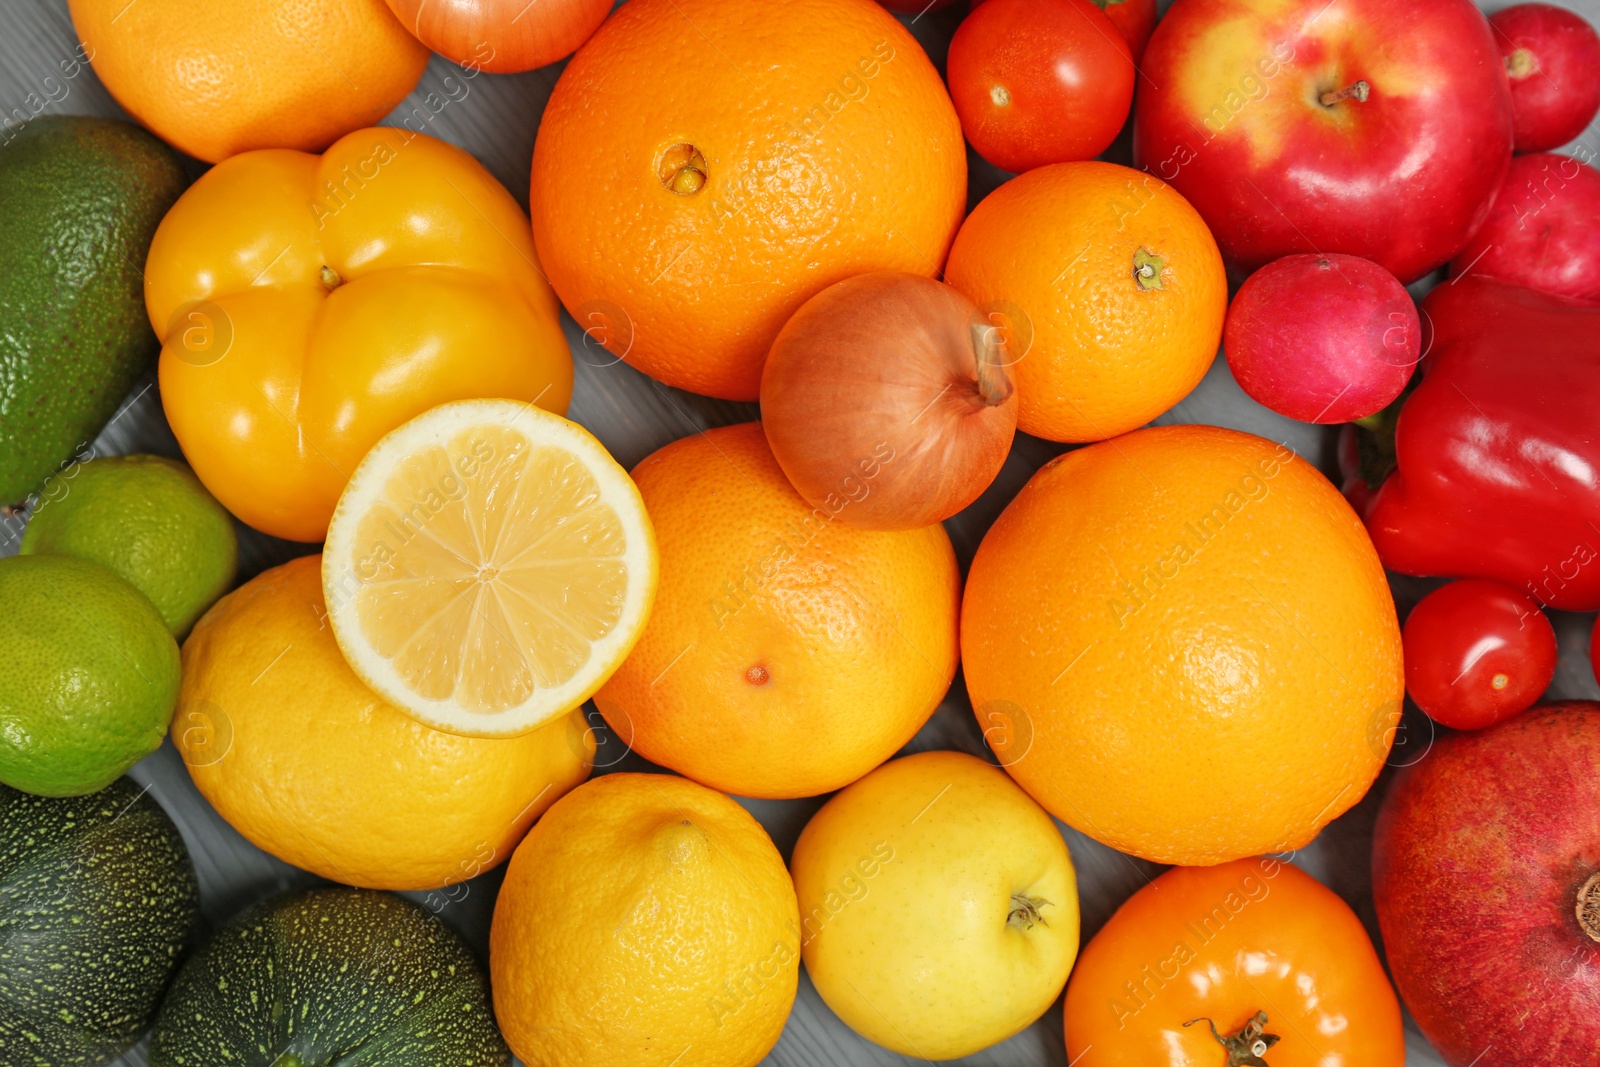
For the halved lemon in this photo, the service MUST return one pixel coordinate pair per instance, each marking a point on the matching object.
(488, 567)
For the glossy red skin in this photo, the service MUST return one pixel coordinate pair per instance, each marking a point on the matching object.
(1556, 95)
(1498, 447)
(1323, 339)
(1477, 857)
(1068, 72)
(1542, 230)
(1228, 113)
(1134, 19)
(1462, 636)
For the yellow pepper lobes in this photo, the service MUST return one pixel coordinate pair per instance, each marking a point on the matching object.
(308, 305)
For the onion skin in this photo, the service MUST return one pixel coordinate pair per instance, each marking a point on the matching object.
(502, 36)
(872, 402)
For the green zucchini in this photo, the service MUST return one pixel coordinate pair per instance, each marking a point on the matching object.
(97, 905)
(323, 977)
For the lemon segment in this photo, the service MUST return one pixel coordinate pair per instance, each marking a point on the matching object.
(488, 566)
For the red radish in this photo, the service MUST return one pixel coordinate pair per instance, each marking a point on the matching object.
(502, 36)
(1476, 653)
(1322, 338)
(1553, 59)
(1486, 875)
(886, 401)
(1544, 228)
(1039, 81)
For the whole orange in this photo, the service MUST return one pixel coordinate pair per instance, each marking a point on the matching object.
(1115, 279)
(218, 79)
(788, 653)
(706, 166)
(1181, 642)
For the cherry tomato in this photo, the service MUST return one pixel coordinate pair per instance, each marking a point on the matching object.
(1477, 652)
(1134, 19)
(1040, 81)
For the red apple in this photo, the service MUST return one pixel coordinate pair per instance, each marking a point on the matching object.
(1553, 59)
(1542, 231)
(1486, 875)
(1322, 339)
(1369, 127)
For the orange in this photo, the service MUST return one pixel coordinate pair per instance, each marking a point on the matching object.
(1181, 643)
(706, 166)
(646, 921)
(788, 653)
(1115, 279)
(312, 766)
(218, 79)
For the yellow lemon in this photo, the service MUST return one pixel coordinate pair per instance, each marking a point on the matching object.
(312, 766)
(488, 566)
(646, 921)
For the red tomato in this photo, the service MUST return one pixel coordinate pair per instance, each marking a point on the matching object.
(1040, 81)
(1134, 19)
(1477, 652)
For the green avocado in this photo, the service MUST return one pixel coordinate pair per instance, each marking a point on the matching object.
(351, 977)
(97, 905)
(80, 199)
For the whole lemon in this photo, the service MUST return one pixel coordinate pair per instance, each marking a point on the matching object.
(88, 675)
(938, 906)
(312, 766)
(645, 921)
(1181, 642)
(149, 519)
(788, 653)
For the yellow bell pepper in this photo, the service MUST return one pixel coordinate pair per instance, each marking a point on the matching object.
(308, 305)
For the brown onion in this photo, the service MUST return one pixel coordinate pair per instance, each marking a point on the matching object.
(501, 36)
(887, 402)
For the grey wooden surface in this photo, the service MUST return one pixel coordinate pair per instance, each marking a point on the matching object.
(496, 121)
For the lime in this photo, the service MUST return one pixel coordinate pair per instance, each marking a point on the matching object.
(88, 675)
(150, 520)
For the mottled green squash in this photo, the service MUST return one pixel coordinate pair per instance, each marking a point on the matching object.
(346, 977)
(97, 906)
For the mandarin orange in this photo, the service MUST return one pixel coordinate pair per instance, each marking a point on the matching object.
(1116, 279)
(215, 80)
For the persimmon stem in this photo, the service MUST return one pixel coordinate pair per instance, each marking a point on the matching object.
(1360, 90)
(988, 348)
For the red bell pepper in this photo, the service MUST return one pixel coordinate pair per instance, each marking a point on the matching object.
(1496, 453)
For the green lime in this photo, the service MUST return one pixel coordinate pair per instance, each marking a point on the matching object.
(150, 520)
(88, 675)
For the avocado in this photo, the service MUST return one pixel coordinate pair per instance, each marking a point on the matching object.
(80, 199)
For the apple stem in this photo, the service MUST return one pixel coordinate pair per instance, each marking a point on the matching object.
(1249, 1045)
(1589, 906)
(988, 348)
(1026, 911)
(1359, 90)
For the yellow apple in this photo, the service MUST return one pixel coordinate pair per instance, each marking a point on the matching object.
(938, 906)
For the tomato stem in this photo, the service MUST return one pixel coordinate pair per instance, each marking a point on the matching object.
(1247, 1047)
